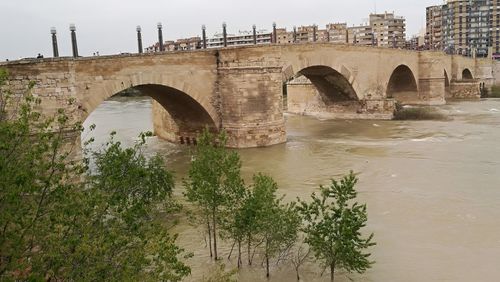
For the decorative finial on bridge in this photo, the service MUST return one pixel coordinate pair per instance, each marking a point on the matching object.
(55, 49)
(74, 45)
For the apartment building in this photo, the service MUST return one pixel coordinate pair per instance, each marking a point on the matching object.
(388, 30)
(337, 32)
(468, 27)
(361, 35)
(242, 38)
(192, 43)
(433, 25)
(283, 36)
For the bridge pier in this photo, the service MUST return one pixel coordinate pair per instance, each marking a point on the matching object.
(251, 105)
(431, 91)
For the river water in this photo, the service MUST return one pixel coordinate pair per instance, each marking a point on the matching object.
(432, 187)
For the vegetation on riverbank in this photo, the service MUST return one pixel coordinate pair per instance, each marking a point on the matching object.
(494, 92)
(62, 220)
(417, 113)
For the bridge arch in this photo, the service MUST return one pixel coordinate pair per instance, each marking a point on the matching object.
(467, 74)
(402, 85)
(177, 116)
(332, 86)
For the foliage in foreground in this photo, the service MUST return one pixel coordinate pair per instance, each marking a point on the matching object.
(59, 221)
(214, 183)
(333, 227)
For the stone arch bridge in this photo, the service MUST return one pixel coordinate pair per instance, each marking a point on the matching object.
(241, 89)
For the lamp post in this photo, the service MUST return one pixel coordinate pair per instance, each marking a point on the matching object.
(160, 36)
(224, 34)
(274, 32)
(314, 32)
(74, 45)
(294, 34)
(139, 39)
(55, 50)
(204, 36)
(254, 28)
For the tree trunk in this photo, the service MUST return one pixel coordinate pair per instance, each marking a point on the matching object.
(297, 273)
(267, 265)
(231, 252)
(215, 234)
(239, 254)
(209, 236)
(249, 247)
(332, 271)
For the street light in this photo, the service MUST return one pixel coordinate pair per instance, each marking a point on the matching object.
(204, 36)
(74, 45)
(139, 38)
(55, 50)
(224, 34)
(274, 32)
(254, 28)
(160, 36)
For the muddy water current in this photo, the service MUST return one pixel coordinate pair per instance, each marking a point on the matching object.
(432, 187)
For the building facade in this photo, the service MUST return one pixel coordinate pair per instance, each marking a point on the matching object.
(388, 30)
(361, 35)
(467, 27)
(337, 32)
(433, 25)
(243, 38)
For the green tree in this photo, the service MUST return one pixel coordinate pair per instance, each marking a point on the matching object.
(277, 223)
(333, 227)
(214, 182)
(60, 222)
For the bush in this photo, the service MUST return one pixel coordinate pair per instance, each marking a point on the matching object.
(418, 113)
(494, 92)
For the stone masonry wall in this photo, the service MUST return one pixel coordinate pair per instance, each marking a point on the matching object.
(304, 99)
(465, 89)
(252, 106)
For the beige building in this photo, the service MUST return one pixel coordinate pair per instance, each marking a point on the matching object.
(283, 36)
(361, 35)
(388, 30)
(337, 32)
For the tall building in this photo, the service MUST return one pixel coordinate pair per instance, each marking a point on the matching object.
(389, 30)
(433, 25)
(467, 27)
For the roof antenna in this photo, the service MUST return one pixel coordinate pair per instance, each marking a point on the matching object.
(375, 3)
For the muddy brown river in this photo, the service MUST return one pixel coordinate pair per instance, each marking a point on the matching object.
(432, 187)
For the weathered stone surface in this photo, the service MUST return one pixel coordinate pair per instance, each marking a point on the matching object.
(465, 89)
(240, 89)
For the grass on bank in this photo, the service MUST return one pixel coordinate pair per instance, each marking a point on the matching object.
(418, 113)
(494, 92)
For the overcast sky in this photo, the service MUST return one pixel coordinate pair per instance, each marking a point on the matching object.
(108, 26)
